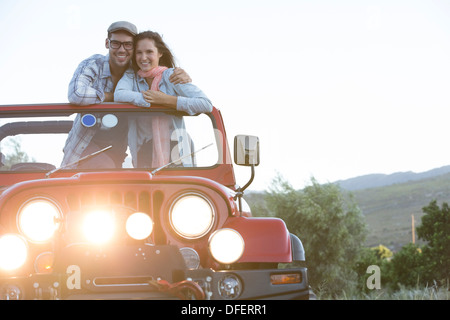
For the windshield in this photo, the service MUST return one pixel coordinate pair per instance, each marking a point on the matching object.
(133, 140)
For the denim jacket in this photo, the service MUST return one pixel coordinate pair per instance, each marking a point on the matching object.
(190, 99)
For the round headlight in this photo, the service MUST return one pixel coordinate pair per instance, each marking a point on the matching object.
(99, 226)
(226, 246)
(192, 216)
(13, 252)
(139, 226)
(38, 219)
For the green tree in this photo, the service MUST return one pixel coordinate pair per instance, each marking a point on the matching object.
(330, 226)
(406, 267)
(16, 154)
(430, 263)
(435, 229)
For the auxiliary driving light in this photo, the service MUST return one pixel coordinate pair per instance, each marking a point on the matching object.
(192, 216)
(139, 226)
(191, 258)
(13, 252)
(38, 219)
(99, 226)
(230, 287)
(226, 246)
(44, 263)
(10, 292)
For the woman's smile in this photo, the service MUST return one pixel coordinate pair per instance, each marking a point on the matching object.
(147, 55)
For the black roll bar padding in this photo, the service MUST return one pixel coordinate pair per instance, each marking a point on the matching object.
(29, 127)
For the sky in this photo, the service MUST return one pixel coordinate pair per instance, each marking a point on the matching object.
(333, 89)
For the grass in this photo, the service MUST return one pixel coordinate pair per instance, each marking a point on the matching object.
(434, 292)
(401, 294)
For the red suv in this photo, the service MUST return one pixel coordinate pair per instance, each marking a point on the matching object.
(182, 230)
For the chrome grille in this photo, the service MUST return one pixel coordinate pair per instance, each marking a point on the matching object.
(139, 201)
(122, 202)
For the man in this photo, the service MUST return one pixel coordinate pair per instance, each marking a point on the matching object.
(94, 82)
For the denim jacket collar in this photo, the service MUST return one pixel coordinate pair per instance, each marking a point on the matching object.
(140, 79)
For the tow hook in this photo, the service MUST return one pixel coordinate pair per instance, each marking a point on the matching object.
(180, 289)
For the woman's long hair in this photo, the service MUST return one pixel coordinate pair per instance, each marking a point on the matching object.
(167, 59)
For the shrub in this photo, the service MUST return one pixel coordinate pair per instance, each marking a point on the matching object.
(330, 226)
(406, 267)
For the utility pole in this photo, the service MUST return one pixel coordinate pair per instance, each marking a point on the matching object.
(413, 229)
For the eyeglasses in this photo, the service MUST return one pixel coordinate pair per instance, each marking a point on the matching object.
(128, 45)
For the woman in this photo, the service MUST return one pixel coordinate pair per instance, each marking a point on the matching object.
(148, 85)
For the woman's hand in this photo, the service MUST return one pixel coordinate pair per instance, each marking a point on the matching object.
(160, 98)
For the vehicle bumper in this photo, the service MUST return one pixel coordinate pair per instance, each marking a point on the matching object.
(253, 284)
(135, 272)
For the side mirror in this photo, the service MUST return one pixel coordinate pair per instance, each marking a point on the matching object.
(246, 150)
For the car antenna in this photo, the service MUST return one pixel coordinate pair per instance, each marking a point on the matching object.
(78, 161)
(188, 155)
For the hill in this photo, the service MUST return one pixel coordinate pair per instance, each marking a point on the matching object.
(381, 180)
(388, 209)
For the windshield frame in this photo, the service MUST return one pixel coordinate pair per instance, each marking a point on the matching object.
(221, 171)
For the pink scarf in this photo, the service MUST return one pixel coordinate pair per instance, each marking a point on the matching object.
(160, 124)
(155, 74)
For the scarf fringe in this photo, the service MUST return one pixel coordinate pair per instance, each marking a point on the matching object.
(160, 124)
